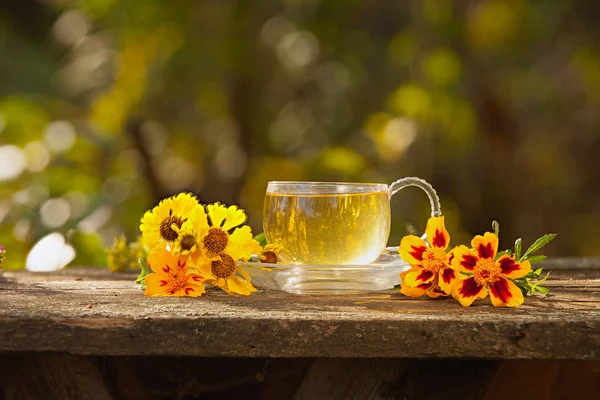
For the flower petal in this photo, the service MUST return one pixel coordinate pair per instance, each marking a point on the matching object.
(240, 286)
(434, 292)
(156, 285)
(164, 208)
(467, 290)
(415, 292)
(510, 268)
(217, 213)
(437, 235)
(234, 218)
(411, 249)
(190, 290)
(241, 245)
(161, 262)
(418, 277)
(245, 274)
(197, 222)
(451, 254)
(184, 204)
(411, 269)
(485, 246)
(201, 264)
(195, 279)
(153, 241)
(149, 226)
(504, 293)
(464, 259)
(448, 277)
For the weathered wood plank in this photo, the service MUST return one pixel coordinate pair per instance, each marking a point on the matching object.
(51, 376)
(86, 311)
(351, 379)
(185, 377)
(545, 380)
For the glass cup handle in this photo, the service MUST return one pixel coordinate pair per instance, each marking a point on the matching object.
(436, 209)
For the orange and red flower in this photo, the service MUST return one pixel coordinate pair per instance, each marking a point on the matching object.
(172, 276)
(487, 274)
(431, 272)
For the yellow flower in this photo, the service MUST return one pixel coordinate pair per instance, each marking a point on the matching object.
(239, 244)
(191, 234)
(223, 249)
(269, 254)
(160, 225)
(123, 255)
(172, 276)
(118, 254)
(487, 273)
(431, 272)
(2, 255)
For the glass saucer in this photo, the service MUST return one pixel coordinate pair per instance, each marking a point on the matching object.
(382, 274)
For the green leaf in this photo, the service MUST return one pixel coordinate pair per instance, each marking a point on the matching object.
(537, 272)
(538, 244)
(522, 284)
(496, 227)
(518, 248)
(507, 252)
(544, 279)
(535, 287)
(543, 290)
(536, 259)
(531, 287)
(261, 239)
(141, 279)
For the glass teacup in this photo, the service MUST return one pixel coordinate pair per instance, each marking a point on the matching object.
(333, 223)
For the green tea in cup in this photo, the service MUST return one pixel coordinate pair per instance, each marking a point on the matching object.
(331, 223)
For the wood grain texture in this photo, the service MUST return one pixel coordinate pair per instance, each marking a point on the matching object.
(90, 311)
(51, 376)
(351, 379)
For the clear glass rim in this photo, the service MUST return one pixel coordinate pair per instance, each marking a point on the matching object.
(318, 187)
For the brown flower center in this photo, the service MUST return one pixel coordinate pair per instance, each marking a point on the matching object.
(166, 231)
(268, 257)
(223, 268)
(486, 272)
(188, 242)
(216, 240)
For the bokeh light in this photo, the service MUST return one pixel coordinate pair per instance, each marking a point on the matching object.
(12, 162)
(108, 106)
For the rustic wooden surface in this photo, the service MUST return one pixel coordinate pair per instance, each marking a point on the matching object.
(49, 376)
(94, 312)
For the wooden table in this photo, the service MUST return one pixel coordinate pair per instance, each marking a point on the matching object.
(87, 333)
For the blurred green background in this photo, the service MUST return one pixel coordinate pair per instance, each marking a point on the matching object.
(106, 106)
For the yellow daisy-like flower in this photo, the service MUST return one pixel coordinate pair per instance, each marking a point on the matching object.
(218, 240)
(191, 234)
(160, 226)
(269, 254)
(223, 249)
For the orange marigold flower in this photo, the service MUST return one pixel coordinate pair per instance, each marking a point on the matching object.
(431, 272)
(487, 273)
(172, 276)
